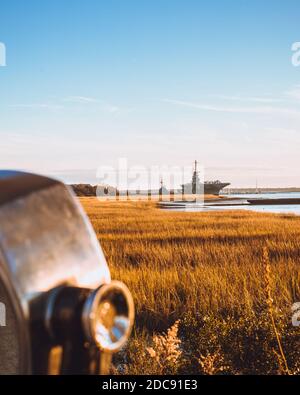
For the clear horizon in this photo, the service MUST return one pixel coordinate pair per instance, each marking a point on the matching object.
(160, 83)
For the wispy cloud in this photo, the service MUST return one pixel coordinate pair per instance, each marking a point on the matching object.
(81, 99)
(102, 105)
(111, 108)
(47, 106)
(294, 93)
(239, 98)
(264, 110)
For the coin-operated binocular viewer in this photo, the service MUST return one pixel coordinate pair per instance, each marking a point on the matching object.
(60, 311)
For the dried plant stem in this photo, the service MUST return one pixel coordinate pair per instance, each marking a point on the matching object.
(267, 266)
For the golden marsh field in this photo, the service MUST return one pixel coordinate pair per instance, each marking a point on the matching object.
(213, 291)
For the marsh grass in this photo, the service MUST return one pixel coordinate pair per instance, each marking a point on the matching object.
(210, 271)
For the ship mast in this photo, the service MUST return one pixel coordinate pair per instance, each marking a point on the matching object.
(195, 179)
(160, 191)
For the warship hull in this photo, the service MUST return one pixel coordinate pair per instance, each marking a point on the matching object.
(208, 188)
(214, 189)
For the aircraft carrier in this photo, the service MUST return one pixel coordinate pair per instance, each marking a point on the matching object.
(195, 187)
(207, 188)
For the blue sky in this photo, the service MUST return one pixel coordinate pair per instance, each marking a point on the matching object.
(159, 82)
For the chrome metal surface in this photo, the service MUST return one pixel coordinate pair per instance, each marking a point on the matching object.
(108, 316)
(46, 241)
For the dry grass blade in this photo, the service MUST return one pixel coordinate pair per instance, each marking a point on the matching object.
(270, 303)
(206, 269)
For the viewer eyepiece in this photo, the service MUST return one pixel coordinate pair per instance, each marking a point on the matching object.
(108, 316)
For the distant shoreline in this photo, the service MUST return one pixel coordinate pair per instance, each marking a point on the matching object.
(91, 190)
(231, 191)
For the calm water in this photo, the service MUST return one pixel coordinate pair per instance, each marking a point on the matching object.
(293, 209)
(288, 195)
(279, 209)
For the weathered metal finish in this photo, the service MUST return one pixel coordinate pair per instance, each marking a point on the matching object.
(45, 241)
(14, 336)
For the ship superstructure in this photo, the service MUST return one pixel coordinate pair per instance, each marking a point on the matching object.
(207, 188)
